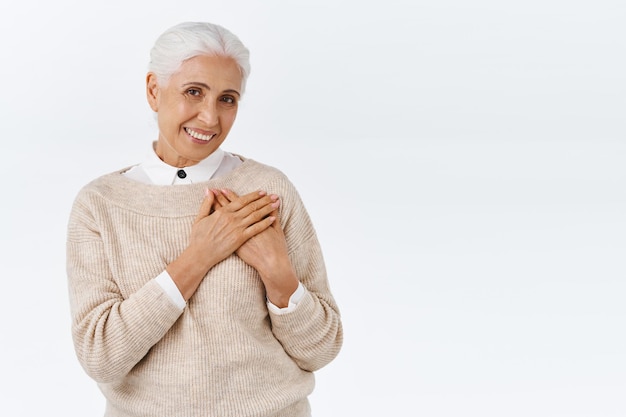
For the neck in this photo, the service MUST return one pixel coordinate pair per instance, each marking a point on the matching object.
(168, 154)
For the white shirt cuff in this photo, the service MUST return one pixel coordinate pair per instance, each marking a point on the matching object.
(295, 298)
(167, 283)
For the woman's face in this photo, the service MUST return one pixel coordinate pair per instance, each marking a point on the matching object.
(196, 108)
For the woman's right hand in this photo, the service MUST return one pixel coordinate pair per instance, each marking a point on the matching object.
(217, 234)
(223, 231)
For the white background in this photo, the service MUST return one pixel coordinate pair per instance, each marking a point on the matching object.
(463, 162)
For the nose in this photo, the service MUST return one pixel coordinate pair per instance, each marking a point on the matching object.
(208, 113)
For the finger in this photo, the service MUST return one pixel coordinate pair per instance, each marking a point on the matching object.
(237, 203)
(258, 227)
(205, 207)
(276, 222)
(230, 195)
(221, 198)
(259, 212)
(265, 205)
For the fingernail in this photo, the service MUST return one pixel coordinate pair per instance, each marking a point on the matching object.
(262, 192)
(206, 192)
(276, 204)
(274, 197)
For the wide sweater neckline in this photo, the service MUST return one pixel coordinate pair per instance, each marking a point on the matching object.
(180, 200)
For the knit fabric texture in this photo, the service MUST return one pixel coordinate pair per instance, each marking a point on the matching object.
(224, 354)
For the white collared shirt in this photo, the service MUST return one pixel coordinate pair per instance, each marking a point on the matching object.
(154, 171)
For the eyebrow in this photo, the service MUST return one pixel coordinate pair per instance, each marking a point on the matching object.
(209, 88)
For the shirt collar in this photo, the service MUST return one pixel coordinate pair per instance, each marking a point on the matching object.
(161, 173)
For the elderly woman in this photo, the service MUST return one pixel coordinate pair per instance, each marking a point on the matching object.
(197, 283)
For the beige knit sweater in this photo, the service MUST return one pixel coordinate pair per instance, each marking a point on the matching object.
(225, 354)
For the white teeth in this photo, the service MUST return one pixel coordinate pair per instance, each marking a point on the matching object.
(198, 135)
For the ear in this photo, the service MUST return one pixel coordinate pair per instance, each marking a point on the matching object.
(152, 91)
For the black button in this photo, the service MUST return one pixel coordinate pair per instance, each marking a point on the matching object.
(181, 173)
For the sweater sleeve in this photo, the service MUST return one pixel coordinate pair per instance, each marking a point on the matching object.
(312, 334)
(111, 333)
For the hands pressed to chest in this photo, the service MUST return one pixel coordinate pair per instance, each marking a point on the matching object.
(247, 225)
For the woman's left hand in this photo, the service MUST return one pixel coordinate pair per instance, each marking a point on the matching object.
(266, 252)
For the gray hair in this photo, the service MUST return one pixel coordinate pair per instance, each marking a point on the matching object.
(189, 39)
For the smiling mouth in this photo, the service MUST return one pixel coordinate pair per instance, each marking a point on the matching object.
(199, 136)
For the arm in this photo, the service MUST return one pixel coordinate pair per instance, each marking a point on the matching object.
(111, 332)
(312, 334)
(283, 256)
(266, 252)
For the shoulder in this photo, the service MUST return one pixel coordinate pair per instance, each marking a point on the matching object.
(87, 202)
(254, 167)
(257, 175)
(293, 213)
(102, 185)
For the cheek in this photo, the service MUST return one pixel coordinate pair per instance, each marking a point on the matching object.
(228, 118)
(165, 121)
(174, 115)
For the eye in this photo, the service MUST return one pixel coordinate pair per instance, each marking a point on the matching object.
(230, 100)
(194, 92)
